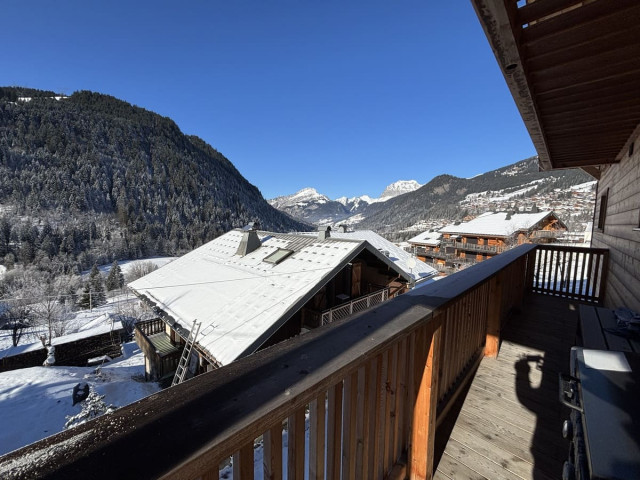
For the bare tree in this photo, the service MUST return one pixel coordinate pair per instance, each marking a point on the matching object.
(139, 269)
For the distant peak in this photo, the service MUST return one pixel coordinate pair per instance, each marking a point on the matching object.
(400, 187)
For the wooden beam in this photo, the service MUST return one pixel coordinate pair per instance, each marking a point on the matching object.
(317, 437)
(272, 453)
(494, 317)
(295, 456)
(243, 463)
(424, 415)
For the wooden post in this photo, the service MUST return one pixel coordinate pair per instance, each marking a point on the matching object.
(317, 437)
(424, 414)
(494, 313)
(272, 454)
(295, 455)
(243, 463)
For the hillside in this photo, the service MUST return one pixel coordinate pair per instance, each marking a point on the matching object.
(452, 198)
(446, 198)
(91, 178)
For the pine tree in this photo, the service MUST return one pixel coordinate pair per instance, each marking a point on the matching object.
(93, 291)
(115, 279)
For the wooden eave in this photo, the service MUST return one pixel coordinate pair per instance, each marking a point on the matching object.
(573, 68)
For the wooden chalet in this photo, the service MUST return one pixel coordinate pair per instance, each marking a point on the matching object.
(495, 232)
(250, 289)
(426, 247)
(456, 379)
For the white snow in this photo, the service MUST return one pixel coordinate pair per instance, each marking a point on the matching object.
(79, 321)
(3, 269)
(127, 265)
(398, 188)
(36, 400)
(584, 187)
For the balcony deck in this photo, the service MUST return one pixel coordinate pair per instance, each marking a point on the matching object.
(508, 425)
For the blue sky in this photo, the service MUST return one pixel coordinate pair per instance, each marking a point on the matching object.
(344, 96)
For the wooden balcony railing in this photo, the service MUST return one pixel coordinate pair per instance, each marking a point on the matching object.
(355, 306)
(362, 395)
(151, 327)
(571, 272)
(480, 248)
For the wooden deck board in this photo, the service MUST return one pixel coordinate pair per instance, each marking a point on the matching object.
(508, 424)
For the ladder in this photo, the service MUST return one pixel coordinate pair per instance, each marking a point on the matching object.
(182, 369)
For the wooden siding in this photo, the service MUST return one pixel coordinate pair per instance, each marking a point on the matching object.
(620, 233)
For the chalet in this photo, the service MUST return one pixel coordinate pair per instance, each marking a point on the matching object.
(458, 379)
(249, 289)
(494, 232)
(426, 247)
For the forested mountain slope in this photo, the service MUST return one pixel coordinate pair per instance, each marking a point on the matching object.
(92, 171)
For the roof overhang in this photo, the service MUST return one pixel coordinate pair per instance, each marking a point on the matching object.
(573, 68)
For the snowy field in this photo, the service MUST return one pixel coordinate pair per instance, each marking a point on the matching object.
(35, 401)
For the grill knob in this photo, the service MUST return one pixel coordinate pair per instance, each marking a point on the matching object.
(567, 430)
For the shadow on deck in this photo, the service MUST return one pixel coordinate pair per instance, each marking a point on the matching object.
(507, 425)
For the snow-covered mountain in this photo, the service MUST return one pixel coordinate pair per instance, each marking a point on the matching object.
(398, 188)
(317, 208)
(407, 205)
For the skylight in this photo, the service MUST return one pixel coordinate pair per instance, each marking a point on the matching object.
(278, 256)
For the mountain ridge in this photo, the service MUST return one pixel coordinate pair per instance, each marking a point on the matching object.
(449, 198)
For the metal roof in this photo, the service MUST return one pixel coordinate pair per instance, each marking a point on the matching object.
(417, 270)
(573, 68)
(242, 300)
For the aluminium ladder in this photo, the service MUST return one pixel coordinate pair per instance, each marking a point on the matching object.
(182, 369)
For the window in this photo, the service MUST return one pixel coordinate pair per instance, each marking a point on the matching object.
(278, 256)
(602, 214)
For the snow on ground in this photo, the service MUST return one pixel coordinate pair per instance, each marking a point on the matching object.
(79, 321)
(127, 265)
(2, 270)
(35, 401)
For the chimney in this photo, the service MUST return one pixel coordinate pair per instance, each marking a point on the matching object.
(250, 241)
(324, 233)
(343, 228)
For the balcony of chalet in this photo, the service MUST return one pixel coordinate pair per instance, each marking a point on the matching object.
(456, 379)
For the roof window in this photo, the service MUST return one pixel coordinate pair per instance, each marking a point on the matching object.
(278, 256)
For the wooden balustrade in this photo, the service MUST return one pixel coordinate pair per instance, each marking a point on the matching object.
(151, 327)
(369, 390)
(572, 272)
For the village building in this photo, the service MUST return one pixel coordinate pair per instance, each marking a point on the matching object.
(426, 247)
(250, 289)
(494, 232)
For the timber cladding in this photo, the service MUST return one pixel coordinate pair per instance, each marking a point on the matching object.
(621, 232)
(75, 354)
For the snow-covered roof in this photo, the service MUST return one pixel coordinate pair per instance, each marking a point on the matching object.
(419, 272)
(240, 301)
(427, 238)
(498, 224)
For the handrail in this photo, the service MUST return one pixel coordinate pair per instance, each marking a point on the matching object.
(357, 305)
(399, 365)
